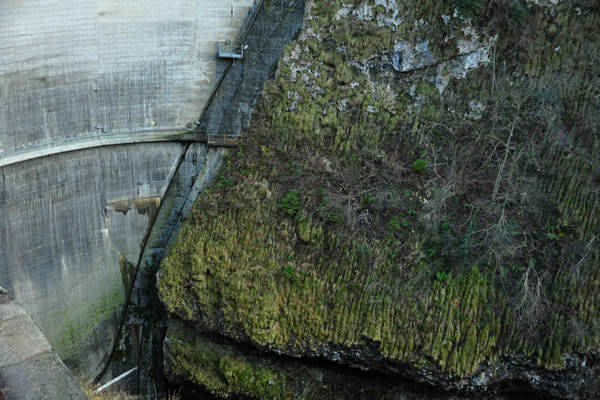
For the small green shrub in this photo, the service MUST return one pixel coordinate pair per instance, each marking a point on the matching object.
(468, 8)
(291, 203)
(290, 274)
(514, 10)
(441, 276)
(225, 181)
(366, 200)
(427, 90)
(445, 226)
(517, 268)
(419, 165)
(394, 224)
(328, 211)
(334, 218)
(517, 10)
(551, 236)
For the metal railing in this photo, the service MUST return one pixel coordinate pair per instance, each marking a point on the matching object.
(236, 49)
(211, 139)
(229, 50)
(249, 21)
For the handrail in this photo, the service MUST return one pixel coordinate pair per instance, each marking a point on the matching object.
(249, 21)
(230, 47)
(228, 50)
(239, 42)
(236, 49)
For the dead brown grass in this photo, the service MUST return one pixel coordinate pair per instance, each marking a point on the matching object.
(117, 392)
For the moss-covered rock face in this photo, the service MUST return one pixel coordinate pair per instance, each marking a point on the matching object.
(229, 370)
(218, 367)
(418, 194)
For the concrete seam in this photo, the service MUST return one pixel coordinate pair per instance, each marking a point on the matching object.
(18, 155)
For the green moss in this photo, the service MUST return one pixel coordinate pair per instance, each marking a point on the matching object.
(309, 231)
(427, 90)
(234, 273)
(230, 370)
(419, 165)
(344, 74)
(220, 370)
(83, 323)
(358, 280)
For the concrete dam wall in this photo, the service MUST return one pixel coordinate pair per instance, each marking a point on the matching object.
(71, 68)
(72, 224)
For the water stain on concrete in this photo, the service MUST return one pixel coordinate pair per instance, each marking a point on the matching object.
(127, 273)
(144, 206)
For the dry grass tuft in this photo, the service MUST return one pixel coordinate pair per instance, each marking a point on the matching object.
(118, 392)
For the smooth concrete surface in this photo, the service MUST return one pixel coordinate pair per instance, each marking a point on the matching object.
(71, 225)
(75, 67)
(29, 369)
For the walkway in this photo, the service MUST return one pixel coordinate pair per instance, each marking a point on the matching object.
(110, 139)
(29, 369)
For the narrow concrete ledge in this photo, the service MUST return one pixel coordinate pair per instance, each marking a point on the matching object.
(29, 369)
(86, 142)
(111, 139)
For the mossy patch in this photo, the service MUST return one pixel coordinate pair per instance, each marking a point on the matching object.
(219, 369)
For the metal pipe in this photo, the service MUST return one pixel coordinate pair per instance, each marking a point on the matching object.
(115, 380)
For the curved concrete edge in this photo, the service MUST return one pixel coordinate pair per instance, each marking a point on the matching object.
(29, 368)
(86, 142)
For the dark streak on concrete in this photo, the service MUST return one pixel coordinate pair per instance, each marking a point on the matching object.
(144, 206)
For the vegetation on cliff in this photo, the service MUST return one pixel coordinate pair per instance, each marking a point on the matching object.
(229, 370)
(421, 177)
